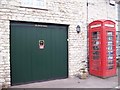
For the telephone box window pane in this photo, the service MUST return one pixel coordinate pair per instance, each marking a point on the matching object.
(96, 53)
(110, 38)
(110, 52)
(110, 61)
(110, 57)
(96, 42)
(109, 33)
(96, 57)
(110, 43)
(110, 67)
(95, 47)
(110, 48)
(95, 35)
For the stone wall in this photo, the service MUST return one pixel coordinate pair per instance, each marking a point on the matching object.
(72, 12)
(100, 9)
(118, 17)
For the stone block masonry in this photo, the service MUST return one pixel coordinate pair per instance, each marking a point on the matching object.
(70, 12)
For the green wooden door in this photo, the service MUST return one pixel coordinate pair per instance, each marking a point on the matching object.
(28, 61)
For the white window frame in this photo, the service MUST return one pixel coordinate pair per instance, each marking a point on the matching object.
(34, 3)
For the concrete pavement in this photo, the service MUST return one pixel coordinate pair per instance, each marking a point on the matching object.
(90, 82)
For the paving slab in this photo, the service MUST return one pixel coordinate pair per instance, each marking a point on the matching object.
(90, 82)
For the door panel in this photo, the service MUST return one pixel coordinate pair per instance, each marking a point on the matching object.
(21, 53)
(29, 62)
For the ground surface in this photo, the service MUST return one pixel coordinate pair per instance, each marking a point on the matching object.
(90, 82)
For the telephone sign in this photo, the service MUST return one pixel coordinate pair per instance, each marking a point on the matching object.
(41, 44)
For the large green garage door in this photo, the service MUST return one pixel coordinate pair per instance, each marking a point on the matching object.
(38, 52)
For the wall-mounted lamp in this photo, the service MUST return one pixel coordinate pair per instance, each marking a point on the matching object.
(78, 29)
(112, 2)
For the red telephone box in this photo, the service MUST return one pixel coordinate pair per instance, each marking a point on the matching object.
(102, 48)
